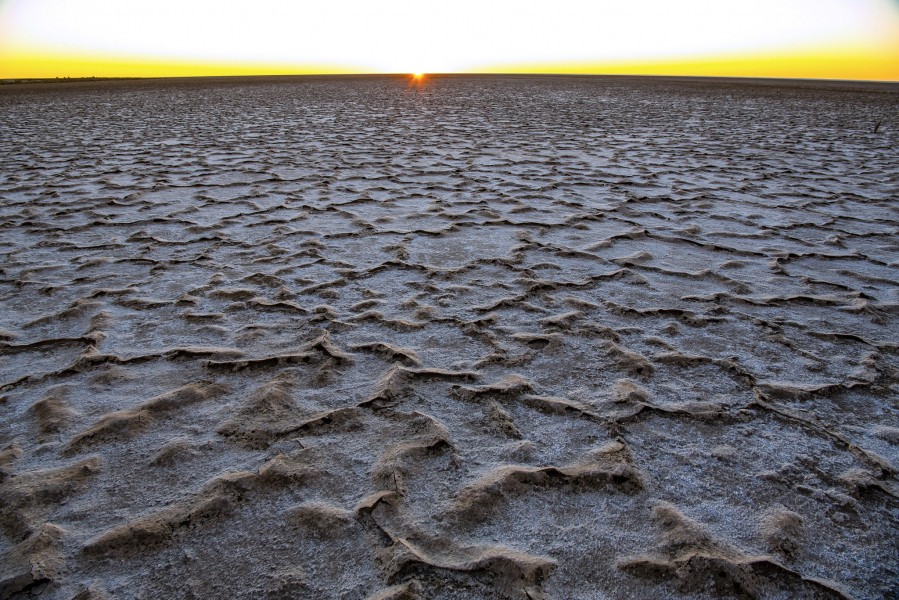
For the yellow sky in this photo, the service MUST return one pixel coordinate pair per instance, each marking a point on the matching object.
(830, 39)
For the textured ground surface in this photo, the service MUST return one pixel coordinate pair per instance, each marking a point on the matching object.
(484, 338)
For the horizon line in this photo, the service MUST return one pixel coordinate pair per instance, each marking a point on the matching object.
(88, 78)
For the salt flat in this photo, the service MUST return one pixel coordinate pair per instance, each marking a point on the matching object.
(483, 337)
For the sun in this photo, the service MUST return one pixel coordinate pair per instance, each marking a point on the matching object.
(416, 80)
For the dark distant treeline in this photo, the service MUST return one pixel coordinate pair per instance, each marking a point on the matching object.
(63, 79)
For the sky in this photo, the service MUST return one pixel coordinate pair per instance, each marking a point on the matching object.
(821, 39)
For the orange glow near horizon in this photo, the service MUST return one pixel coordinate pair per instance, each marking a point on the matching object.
(807, 39)
(28, 63)
(847, 63)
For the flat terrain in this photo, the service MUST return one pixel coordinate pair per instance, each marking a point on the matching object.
(483, 337)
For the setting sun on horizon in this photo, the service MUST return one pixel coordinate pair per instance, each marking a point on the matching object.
(826, 39)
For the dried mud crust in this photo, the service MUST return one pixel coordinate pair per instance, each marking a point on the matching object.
(511, 337)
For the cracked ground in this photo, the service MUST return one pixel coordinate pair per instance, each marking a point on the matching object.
(515, 337)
